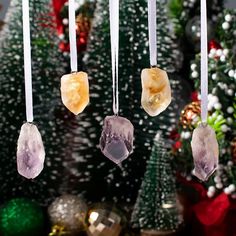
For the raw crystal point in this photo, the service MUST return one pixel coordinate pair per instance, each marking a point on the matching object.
(116, 141)
(75, 91)
(30, 151)
(205, 151)
(156, 93)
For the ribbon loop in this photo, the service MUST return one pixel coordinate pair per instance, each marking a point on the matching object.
(204, 62)
(114, 33)
(27, 61)
(72, 37)
(152, 30)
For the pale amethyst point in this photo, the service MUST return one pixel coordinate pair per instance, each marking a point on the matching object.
(201, 174)
(116, 141)
(30, 151)
(205, 151)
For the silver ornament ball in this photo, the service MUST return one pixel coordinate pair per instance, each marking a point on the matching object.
(68, 211)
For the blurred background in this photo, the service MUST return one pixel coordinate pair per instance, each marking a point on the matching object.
(231, 3)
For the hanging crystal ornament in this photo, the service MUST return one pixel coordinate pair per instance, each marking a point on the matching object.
(74, 86)
(116, 140)
(30, 149)
(204, 144)
(156, 91)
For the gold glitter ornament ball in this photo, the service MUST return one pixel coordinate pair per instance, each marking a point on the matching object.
(58, 230)
(104, 220)
(190, 114)
(68, 211)
(233, 149)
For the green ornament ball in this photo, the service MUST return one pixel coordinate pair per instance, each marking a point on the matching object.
(21, 217)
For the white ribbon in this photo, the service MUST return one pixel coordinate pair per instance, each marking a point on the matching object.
(152, 29)
(204, 62)
(72, 36)
(114, 32)
(27, 61)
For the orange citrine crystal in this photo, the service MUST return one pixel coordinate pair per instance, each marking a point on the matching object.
(156, 91)
(75, 91)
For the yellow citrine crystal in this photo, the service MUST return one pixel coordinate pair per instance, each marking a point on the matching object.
(75, 91)
(156, 91)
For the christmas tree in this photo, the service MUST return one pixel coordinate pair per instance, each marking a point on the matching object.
(156, 208)
(93, 168)
(55, 123)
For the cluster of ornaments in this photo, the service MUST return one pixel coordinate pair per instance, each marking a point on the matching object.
(228, 20)
(228, 189)
(67, 215)
(116, 141)
(217, 53)
(70, 215)
(216, 49)
(117, 136)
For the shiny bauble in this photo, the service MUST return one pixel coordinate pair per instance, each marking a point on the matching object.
(190, 115)
(193, 32)
(21, 217)
(104, 220)
(68, 211)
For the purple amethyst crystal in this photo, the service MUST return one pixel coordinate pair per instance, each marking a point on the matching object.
(30, 151)
(116, 141)
(205, 151)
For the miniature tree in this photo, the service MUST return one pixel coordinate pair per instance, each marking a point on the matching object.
(155, 208)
